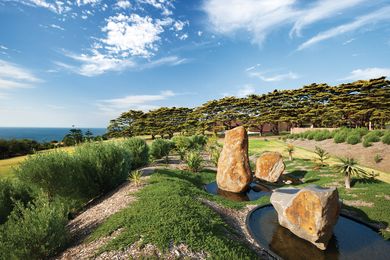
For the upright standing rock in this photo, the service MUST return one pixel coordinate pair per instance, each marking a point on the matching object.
(309, 213)
(269, 166)
(234, 173)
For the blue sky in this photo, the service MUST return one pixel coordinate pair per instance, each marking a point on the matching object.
(83, 62)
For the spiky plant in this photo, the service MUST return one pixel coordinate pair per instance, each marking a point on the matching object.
(135, 177)
(349, 167)
(290, 149)
(322, 155)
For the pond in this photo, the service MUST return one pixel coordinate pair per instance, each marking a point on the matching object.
(254, 192)
(350, 240)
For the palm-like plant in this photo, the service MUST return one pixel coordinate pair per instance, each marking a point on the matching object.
(349, 167)
(322, 155)
(290, 149)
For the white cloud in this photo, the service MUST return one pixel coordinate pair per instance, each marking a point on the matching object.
(321, 10)
(124, 4)
(377, 16)
(179, 25)
(56, 7)
(368, 73)
(170, 60)
(138, 102)
(3, 47)
(13, 76)
(95, 64)
(133, 34)
(164, 5)
(348, 41)
(57, 27)
(245, 91)
(86, 2)
(256, 17)
(183, 36)
(200, 33)
(264, 76)
(252, 67)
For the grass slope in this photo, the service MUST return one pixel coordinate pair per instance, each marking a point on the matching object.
(168, 210)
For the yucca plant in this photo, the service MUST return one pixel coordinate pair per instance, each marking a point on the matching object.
(290, 149)
(135, 177)
(194, 161)
(349, 167)
(322, 155)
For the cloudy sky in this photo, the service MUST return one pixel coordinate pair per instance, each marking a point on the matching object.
(83, 62)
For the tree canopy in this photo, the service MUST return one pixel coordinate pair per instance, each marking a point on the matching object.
(353, 104)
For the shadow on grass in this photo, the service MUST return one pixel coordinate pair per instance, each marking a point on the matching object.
(365, 181)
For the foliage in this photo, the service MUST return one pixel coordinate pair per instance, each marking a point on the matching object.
(93, 169)
(340, 136)
(353, 139)
(320, 105)
(161, 148)
(194, 161)
(182, 145)
(18, 147)
(198, 142)
(12, 192)
(34, 232)
(322, 155)
(349, 168)
(378, 158)
(386, 138)
(213, 148)
(103, 166)
(166, 212)
(135, 177)
(139, 151)
(373, 137)
(366, 143)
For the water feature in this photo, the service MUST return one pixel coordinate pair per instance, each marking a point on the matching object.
(351, 239)
(254, 192)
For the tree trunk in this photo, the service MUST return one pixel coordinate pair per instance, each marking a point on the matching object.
(290, 156)
(347, 181)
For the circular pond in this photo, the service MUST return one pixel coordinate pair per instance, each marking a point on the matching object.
(254, 192)
(350, 240)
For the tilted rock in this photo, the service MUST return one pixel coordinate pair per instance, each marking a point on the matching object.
(269, 166)
(310, 212)
(233, 172)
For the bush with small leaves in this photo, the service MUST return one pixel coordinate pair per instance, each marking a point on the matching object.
(378, 158)
(12, 191)
(386, 138)
(139, 151)
(198, 142)
(182, 145)
(322, 155)
(194, 161)
(161, 148)
(37, 231)
(372, 137)
(340, 137)
(353, 139)
(366, 143)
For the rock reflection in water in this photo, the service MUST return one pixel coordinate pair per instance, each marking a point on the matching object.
(289, 246)
(351, 239)
(254, 192)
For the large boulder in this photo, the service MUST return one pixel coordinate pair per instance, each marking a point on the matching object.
(269, 166)
(310, 212)
(233, 172)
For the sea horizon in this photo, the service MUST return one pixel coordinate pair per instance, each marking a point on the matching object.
(43, 134)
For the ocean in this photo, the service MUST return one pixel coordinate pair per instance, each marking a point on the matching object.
(41, 134)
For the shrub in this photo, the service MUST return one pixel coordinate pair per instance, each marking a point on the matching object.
(322, 155)
(198, 141)
(56, 173)
(103, 166)
(161, 148)
(194, 161)
(182, 145)
(214, 149)
(322, 135)
(366, 143)
(139, 151)
(12, 192)
(340, 137)
(386, 138)
(311, 135)
(361, 131)
(378, 158)
(353, 139)
(372, 137)
(34, 232)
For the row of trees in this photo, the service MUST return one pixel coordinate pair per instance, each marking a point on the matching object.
(354, 104)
